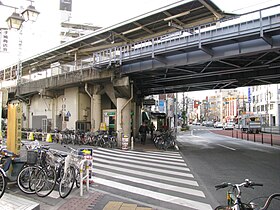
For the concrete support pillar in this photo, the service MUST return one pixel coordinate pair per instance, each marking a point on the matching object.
(134, 124)
(138, 120)
(95, 112)
(123, 118)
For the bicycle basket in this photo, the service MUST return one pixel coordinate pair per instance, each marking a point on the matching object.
(32, 157)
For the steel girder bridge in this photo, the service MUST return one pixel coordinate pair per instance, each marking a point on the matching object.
(235, 52)
(186, 46)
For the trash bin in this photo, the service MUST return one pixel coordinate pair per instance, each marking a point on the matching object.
(125, 139)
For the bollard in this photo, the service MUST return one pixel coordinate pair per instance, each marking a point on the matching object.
(271, 142)
(232, 134)
(254, 137)
(237, 134)
(49, 138)
(87, 163)
(31, 136)
(262, 138)
(132, 143)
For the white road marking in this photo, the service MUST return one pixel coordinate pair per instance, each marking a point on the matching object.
(152, 153)
(155, 195)
(151, 183)
(144, 161)
(227, 147)
(141, 173)
(147, 168)
(140, 156)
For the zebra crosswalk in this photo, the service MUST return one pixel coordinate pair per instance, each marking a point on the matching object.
(162, 179)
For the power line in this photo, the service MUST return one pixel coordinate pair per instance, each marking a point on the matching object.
(252, 5)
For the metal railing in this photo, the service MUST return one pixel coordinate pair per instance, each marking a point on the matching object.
(253, 22)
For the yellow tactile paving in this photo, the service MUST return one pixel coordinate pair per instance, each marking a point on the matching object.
(113, 205)
(128, 206)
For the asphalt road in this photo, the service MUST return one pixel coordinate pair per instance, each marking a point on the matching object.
(210, 158)
(216, 158)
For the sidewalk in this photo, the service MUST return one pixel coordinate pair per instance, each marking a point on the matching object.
(94, 200)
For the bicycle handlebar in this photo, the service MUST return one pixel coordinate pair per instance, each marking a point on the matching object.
(246, 184)
(223, 185)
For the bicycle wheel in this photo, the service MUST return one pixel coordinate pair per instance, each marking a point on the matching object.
(3, 183)
(24, 178)
(45, 181)
(67, 182)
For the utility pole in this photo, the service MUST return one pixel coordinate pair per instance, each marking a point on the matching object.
(187, 107)
(183, 112)
(176, 115)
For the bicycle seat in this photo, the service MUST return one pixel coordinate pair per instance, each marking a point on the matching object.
(18, 160)
(60, 155)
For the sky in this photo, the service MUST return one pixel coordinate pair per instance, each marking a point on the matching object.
(43, 34)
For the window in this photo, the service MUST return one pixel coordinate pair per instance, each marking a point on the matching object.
(271, 106)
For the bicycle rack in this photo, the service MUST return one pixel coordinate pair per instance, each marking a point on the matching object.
(88, 163)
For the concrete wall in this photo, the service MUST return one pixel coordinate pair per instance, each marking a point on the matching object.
(71, 96)
(39, 106)
(106, 102)
(73, 102)
(84, 107)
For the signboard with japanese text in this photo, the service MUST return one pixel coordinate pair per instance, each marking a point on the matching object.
(4, 40)
(149, 102)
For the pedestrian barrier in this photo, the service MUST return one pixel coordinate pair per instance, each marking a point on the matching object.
(87, 164)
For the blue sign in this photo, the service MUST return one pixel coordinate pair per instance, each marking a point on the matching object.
(161, 105)
(68, 114)
(249, 95)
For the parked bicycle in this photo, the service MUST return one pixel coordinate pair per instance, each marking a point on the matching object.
(42, 170)
(71, 173)
(234, 201)
(164, 139)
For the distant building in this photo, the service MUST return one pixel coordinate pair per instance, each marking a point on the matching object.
(70, 31)
(265, 102)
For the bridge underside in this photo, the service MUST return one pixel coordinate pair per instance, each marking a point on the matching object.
(232, 64)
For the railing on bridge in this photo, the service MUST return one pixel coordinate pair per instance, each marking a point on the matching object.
(256, 21)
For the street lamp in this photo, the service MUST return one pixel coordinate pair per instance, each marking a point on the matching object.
(30, 14)
(15, 20)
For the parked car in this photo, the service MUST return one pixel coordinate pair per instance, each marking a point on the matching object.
(209, 124)
(196, 123)
(218, 125)
(228, 126)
